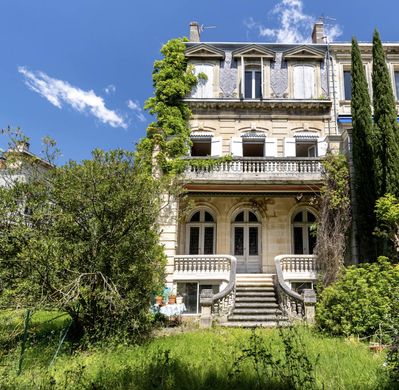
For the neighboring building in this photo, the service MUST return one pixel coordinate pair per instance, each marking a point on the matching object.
(277, 109)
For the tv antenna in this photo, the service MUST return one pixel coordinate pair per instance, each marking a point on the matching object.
(203, 27)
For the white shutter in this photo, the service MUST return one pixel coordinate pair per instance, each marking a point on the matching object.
(322, 147)
(271, 147)
(299, 88)
(308, 81)
(216, 146)
(208, 84)
(236, 146)
(289, 147)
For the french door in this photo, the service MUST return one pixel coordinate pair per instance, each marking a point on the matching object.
(246, 247)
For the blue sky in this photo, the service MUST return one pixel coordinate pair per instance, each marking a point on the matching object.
(80, 70)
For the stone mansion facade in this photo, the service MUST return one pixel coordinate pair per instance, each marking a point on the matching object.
(276, 109)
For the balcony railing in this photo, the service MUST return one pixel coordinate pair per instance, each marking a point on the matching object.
(288, 168)
(210, 265)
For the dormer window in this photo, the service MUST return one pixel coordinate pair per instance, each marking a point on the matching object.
(253, 83)
(204, 87)
(304, 82)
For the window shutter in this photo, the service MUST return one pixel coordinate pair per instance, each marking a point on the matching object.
(322, 147)
(289, 147)
(271, 147)
(208, 84)
(236, 146)
(308, 81)
(216, 146)
(298, 82)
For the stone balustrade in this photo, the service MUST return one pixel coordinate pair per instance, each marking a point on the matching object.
(268, 168)
(201, 264)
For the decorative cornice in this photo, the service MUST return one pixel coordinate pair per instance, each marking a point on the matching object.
(204, 51)
(254, 51)
(303, 53)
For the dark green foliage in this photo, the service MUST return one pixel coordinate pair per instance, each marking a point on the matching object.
(364, 301)
(88, 244)
(386, 140)
(363, 159)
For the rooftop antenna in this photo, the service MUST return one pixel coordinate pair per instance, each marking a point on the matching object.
(203, 27)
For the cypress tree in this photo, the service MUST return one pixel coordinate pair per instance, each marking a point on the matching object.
(386, 142)
(363, 162)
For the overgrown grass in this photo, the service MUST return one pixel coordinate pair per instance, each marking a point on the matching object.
(191, 360)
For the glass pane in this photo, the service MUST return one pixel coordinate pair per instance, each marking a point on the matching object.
(397, 85)
(253, 241)
(298, 241)
(189, 293)
(311, 217)
(312, 240)
(208, 217)
(348, 85)
(298, 217)
(252, 217)
(208, 240)
(238, 241)
(248, 85)
(194, 241)
(195, 217)
(258, 90)
(240, 217)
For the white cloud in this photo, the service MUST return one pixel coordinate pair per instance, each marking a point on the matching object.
(58, 92)
(134, 105)
(110, 89)
(295, 26)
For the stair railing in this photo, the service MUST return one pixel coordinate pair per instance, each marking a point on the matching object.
(220, 304)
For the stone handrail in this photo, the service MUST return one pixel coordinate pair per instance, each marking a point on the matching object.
(262, 165)
(292, 303)
(219, 304)
(202, 264)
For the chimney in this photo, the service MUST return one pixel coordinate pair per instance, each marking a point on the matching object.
(318, 32)
(195, 32)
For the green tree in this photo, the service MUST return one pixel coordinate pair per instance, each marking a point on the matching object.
(386, 140)
(83, 238)
(363, 159)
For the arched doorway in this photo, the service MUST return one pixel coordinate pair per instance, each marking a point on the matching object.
(303, 239)
(246, 230)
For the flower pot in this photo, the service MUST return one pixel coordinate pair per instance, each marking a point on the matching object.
(172, 299)
(158, 300)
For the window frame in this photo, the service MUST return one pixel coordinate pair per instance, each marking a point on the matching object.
(317, 91)
(202, 225)
(304, 225)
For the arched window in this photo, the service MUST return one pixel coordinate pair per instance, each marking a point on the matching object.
(304, 240)
(201, 233)
(246, 241)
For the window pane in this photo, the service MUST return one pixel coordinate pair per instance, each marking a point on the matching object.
(348, 85)
(311, 217)
(311, 240)
(189, 293)
(248, 85)
(240, 217)
(253, 149)
(298, 217)
(201, 148)
(238, 241)
(258, 89)
(208, 217)
(194, 241)
(252, 217)
(195, 217)
(253, 241)
(208, 240)
(298, 241)
(397, 85)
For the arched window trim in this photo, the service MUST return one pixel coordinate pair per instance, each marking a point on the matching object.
(202, 232)
(304, 225)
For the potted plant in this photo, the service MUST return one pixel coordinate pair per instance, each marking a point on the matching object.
(179, 299)
(172, 297)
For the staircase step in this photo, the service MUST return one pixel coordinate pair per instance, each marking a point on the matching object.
(257, 310)
(260, 305)
(257, 317)
(254, 284)
(256, 298)
(254, 288)
(254, 324)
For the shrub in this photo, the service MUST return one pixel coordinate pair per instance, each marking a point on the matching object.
(363, 301)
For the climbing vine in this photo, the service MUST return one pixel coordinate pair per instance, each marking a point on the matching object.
(334, 218)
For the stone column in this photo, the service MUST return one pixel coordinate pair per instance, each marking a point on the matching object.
(309, 299)
(206, 308)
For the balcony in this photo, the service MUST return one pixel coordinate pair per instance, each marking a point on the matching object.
(291, 170)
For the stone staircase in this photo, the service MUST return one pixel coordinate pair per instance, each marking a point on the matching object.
(256, 304)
